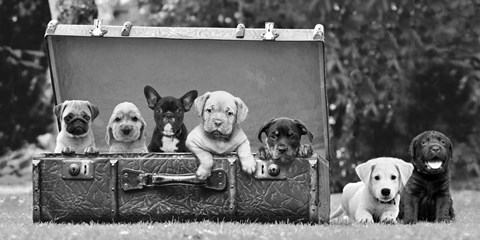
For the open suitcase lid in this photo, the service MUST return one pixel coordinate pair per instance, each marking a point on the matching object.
(276, 72)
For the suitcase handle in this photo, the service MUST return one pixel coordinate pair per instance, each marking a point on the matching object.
(135, 180)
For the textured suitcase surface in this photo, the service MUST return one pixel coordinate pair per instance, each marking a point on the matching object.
(279, 76)
(115, 188)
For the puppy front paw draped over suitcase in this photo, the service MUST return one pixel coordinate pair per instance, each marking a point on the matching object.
(220, 133)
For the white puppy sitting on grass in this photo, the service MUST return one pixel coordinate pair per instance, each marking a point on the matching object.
(376, 197)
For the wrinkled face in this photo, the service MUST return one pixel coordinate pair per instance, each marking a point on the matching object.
(76, 116)
(431, 152)
(219, 115)
(283, 140)
(126, 123)
(385, 182)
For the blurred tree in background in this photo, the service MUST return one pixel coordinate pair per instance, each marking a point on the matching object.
(395, 68)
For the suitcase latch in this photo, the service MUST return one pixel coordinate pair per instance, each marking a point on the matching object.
(269, 35)
(268, 170)
(97, 30)
(77, 169)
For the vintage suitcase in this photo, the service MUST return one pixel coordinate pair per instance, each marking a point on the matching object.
(277, 72)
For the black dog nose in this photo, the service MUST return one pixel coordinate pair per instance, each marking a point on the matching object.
(126, 131)
(385, 191)
(435, 149)
(169, 115)
(282, 148)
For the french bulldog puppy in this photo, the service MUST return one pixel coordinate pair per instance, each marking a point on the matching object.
(76, 117)
(220, 132)
(170, 133)
(283, 140)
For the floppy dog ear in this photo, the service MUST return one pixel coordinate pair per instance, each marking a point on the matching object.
(151, 95)
(188, 99)
(109, 135)
(58, 110)
(93, 109)
(405, 169)
(364, 170)
(200, 103)
(143, 133)
(450, 146)
(264, 127)
(304, 129)
(242, 110)
(411, 149)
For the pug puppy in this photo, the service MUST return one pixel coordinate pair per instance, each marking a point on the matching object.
(126, 129)
(76, 117)
(220, 132)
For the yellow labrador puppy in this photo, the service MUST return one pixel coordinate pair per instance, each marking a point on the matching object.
(126, 129)
(219, 132)
(376, 197)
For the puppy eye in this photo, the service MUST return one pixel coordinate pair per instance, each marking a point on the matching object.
(293, 137)
(393, 177)
(443, 142)
(208, 110)
(159, 110)
(273, 136)
(68, 118)
(117, 119)
(230, 113)
(377, 178)
(424, 142)
(179, 111)
(134, 119)
(87, 118)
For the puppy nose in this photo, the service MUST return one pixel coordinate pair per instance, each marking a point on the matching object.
(435, 149)
(282, 148)
(217, 123)
(126, 130)
(169, 115)
(385, 191)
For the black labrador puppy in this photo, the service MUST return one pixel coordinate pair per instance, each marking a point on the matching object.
(426, 197)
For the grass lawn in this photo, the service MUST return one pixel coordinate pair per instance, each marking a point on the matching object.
(16, 223)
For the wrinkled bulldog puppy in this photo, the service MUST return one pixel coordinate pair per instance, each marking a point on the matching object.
(427, 194)
(376, 198)
(220, 133)
(76, 117)
(283, 140)
(170, 133)
(126, 130)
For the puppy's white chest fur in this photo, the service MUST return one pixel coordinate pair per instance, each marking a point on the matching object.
(169, 144)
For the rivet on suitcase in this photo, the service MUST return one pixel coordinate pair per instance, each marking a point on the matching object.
(277, 72)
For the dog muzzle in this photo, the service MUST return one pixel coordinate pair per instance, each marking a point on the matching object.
(77, 126)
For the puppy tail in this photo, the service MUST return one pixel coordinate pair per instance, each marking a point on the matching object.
(337, 212)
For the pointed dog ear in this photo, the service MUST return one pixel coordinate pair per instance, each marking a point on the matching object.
(200, 103)
(304, 129)
(364, 171)
(405, 170)
(152, 96)
(93, 109)
(188, 99)
(264, 127)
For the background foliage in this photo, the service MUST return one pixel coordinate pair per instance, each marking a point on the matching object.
(394, 67)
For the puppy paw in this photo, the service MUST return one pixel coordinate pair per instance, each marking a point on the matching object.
(366, 220)
(263, 153)
(409, 221)
(305, 151)
(249, 164)
(68, 150)
(388, 220)
(203, 173)
(92, 151)
(443, 219)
